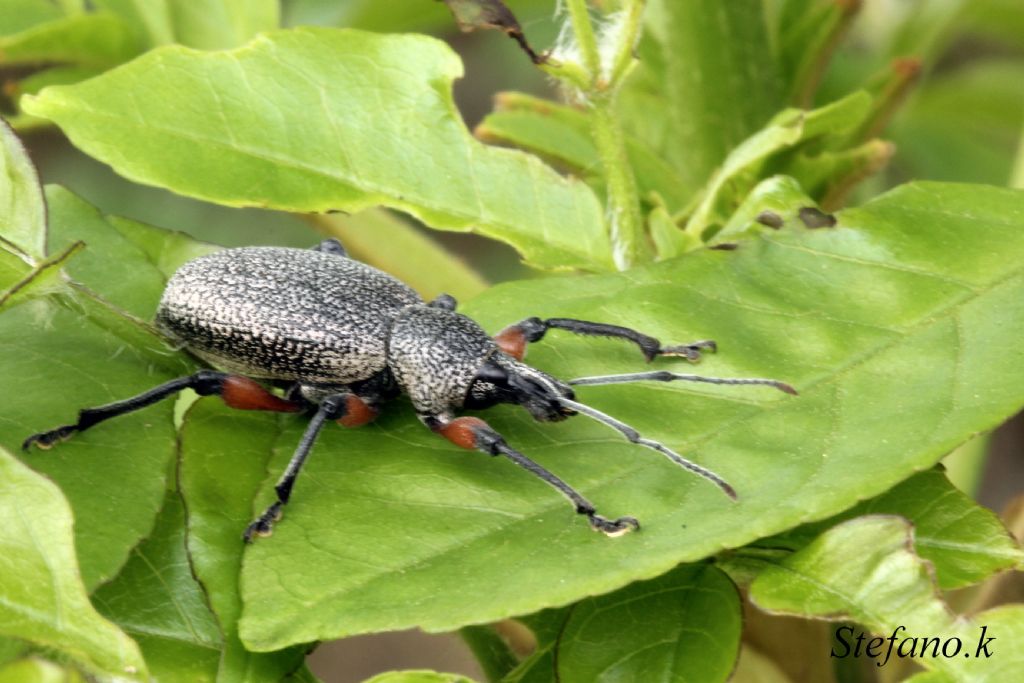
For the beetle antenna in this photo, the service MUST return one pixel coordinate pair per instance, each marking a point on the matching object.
(634, 436)
(666, 376)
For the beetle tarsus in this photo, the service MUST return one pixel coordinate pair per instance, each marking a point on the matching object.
(691, 351)
(47, 440)
(613, 527)
(264, 524)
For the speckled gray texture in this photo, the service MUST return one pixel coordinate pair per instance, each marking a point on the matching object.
(288, 314)
(435, 354)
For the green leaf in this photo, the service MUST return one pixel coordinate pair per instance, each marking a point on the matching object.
(754, 667)
(786, 130)
(865, 570)
(562, 135)
(964, 124)
(156, 599)
(491, 649)
(19, 15)
(873, 318)
(417, 677)
(807, 32)
(45, 278)
(113, 476)
(221, 24)
(22, 209)
(150, 19)
(43, 599)
(33, 83)
(776, 200)
(435, 270)
(155, 593)
(11, 649)
(217, 485)
(110, 264)
(116, 285)
(682, 626)
(167, 250)
(965, 542)
(331, 146)
(61, 363)
(204, 24)
(38, 671)
(98, 39)
(689, 44)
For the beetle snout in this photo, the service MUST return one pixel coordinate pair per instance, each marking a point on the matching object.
(543, 401)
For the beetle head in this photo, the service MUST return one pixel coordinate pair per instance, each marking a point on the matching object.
(503, 379)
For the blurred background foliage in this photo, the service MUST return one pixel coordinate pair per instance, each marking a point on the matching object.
(955, 68)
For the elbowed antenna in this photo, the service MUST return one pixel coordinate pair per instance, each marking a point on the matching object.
(634, 436)
(666, 376)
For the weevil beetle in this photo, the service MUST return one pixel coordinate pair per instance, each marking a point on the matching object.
(341, 338)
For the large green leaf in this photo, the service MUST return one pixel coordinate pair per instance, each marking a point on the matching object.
(156, 599)
(911, 306)
(218, 485)
(965, 542)
(682, 626)
(42, 598)
(688, 45)
(155, 593)
(562, 135)
(865, 570)
(790, 128)
(19, 15)
(417, 677)
(60, 362)
(204, 24)
(31, 670)
(964, 124)
(202, 125)
(99, 39)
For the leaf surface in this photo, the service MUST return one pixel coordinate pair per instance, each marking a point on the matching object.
(965, 542)
(294, 121)
(865, 570)
(681, 626)
(689, 44)
(218, 485)
(42, 598)
(98, 39)
(911, 306)
(22, 210)
(114, 476)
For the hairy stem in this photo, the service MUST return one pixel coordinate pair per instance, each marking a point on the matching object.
(625, 223)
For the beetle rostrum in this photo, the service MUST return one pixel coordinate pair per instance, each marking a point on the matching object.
(341, 338)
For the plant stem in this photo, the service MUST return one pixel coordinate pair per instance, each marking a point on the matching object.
(623, 205)
(625, 223)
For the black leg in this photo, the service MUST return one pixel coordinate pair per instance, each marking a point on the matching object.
(331, 408)
(472, 432)
(204, 382)
(534, 329)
